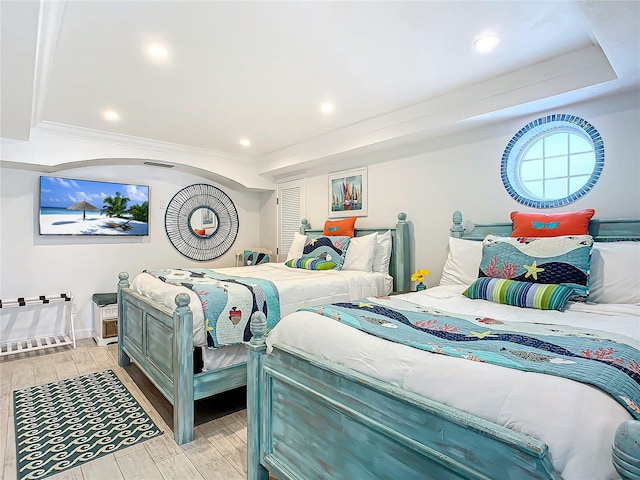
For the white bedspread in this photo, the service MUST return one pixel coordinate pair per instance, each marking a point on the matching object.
(575, 420)
(297, 288)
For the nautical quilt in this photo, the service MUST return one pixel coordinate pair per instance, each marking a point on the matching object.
(587, 356)
(227, 302)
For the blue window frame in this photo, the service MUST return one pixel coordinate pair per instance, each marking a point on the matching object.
(552, 161)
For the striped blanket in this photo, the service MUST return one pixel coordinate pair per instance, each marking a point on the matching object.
(587, 356)
(227, 301)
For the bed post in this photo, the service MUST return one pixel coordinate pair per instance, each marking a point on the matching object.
(123, 358)
(257, 348)
(626, 450)
(183, 406)
(304, 226)
(401, 255)
(457, 230)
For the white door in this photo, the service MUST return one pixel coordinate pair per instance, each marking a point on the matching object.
(291, 209)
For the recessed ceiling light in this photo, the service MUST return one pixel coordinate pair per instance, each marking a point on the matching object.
(245, 142)
(486, 43)
(111, 115)
(157, 51)
(326, 107)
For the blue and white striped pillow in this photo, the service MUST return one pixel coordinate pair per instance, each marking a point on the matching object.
(543, 296)
(310, 263)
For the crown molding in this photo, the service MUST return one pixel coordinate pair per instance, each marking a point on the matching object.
(82, 133)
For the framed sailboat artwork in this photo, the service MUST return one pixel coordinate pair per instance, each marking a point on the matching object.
(348, 193)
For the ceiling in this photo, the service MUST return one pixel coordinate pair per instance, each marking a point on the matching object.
(396, 72)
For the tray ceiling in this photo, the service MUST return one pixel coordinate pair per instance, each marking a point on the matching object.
(395, 72)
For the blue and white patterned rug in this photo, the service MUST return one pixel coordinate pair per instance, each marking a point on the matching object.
(64, 424)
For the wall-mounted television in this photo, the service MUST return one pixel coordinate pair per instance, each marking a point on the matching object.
(86, 207)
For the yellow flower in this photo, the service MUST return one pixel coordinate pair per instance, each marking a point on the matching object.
(419, 275)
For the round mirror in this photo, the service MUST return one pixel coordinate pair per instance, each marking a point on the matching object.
(203, 222)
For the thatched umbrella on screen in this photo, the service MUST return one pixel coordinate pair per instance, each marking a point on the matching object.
(84, 206)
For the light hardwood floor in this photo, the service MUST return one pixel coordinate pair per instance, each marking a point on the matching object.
(219, 450)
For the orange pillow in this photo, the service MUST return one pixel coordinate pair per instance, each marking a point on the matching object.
(340, 227)
(527, 224)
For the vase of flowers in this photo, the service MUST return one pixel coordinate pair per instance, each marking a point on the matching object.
(419, 276)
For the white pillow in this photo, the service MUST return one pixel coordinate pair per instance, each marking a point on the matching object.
(615, 273)
(463, 262)
(360, 253)
(382, 255)
(297, 246)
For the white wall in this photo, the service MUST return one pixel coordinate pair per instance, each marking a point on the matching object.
(427, 181)
(31, 264)
(462, 172)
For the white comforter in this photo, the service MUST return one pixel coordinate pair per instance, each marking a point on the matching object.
(297, 288)
(575, 420)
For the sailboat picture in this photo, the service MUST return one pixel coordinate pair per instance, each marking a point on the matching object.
(347, 193)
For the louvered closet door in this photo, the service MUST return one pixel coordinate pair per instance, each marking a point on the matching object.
(291, 210)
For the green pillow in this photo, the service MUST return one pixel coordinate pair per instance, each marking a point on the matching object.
(311, 263)
(543, 296)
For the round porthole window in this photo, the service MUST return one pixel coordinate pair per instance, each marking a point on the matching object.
(552, 161)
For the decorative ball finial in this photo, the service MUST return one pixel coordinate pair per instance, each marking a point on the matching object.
(626, 449)
(182, 300)
(123, 280)
(402, 216)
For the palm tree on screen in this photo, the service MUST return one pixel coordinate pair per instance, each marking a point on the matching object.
(140, 212)
(115, 206)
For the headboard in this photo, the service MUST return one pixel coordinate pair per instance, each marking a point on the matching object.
(602, 230)
(399, 265)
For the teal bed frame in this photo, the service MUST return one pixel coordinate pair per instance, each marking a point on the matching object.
(309, 418)
(160, 340)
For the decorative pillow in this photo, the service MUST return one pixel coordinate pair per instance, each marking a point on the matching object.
(360, 253)
(527, 224)
(520, 294)
(559, 260)
(297, 245)
(255, 258)
(463, 261)
(343, 227)
(310, 264)
(382, 255)
(327, 248)
(615, 273)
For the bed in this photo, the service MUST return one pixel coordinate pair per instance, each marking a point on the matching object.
(333, 406)
(161, 325)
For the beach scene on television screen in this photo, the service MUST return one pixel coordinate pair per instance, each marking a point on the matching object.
(86, 207)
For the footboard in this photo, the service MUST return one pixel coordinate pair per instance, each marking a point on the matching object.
(160, 342)
(312, 421)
